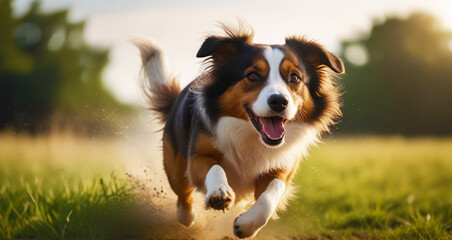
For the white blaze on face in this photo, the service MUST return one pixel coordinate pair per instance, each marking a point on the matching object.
(274, 85)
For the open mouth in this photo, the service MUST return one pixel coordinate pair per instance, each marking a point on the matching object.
(272, 129)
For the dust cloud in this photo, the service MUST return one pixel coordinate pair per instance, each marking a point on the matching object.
(142, 159)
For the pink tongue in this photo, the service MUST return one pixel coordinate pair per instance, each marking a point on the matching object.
(273, 127)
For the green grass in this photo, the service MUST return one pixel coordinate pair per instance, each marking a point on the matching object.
(373, 188)
(62, 187)
(355, 188)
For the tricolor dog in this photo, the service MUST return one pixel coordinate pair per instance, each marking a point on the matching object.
(241, 128)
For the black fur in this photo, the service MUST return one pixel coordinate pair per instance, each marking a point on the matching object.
(227, 75)
(183, 122)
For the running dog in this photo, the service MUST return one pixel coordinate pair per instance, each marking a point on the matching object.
(240, 129)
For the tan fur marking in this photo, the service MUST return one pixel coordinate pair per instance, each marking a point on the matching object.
(299, 92)
(285, 175)
(260, 66)
(263, 181)
(232, 102)
(206, 155)
(324, 87)
(307, 108)
(244, 92)
(175, 166)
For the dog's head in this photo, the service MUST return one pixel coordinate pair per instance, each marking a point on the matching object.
(270, 85)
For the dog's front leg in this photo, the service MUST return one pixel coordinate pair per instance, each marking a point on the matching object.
(206, 174)
(251, 221)
(219, 194)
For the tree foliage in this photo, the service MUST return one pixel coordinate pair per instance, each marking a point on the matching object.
(406, 85)
(49, 76)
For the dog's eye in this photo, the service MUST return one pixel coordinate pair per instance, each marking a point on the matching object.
(294, 78)
(252, 76)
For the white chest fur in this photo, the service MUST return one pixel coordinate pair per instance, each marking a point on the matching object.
(244, 150)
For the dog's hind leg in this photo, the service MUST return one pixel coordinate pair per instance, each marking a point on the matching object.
(185, 212)
(175, 167)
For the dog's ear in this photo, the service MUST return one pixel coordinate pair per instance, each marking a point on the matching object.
(221, 49)
(315, 54)
(209, 46)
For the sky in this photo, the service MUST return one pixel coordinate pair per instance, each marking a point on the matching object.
(180, 27)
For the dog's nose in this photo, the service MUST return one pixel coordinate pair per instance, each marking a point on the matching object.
(277, 102)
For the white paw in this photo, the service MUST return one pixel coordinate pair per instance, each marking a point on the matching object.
(220, 198)
(249, 223)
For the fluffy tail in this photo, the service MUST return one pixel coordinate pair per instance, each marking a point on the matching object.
(159, 87)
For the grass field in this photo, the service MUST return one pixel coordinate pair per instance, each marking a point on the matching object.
(350, 188)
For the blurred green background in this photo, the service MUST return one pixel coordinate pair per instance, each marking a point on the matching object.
(67, 141)
(50, 78)
(404, 85)
(398, 78)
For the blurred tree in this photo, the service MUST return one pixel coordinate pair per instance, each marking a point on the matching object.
(399, 79)
(49, 76)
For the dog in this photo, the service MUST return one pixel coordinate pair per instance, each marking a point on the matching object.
(241, 128)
